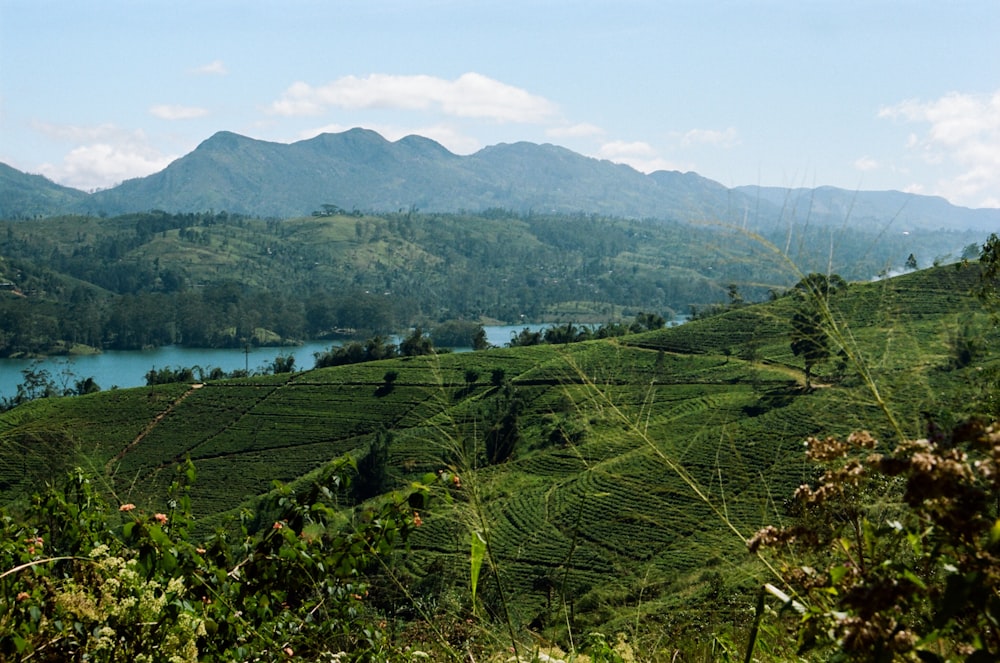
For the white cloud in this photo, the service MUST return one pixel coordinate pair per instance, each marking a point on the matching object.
(638, 155)
(866, 163)
(103, 156)
(213, 68)
(619, 148)
(169, 112)
(962, 137)
(725, 139)
(582, 130)
(471, 95)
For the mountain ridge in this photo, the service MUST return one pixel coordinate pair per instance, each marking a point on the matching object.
(360, 169)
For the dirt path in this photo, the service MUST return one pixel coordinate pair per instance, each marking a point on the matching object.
(797, 374)
(150, 426)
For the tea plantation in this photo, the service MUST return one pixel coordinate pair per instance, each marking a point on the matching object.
(638, 467)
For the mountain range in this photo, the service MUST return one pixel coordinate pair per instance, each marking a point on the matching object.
(359, 169)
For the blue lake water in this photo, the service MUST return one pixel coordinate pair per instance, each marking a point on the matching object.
(129, 368)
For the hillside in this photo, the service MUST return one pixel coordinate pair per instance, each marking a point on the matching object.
(27, 196)
(215, 279)
(641, 464)
(360, 170)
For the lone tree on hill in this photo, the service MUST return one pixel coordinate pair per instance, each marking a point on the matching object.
(809, 339)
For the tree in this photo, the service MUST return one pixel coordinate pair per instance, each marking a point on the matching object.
(479, 341)
(38, 383)
(809, 339)
(85, 386)
(459, 334)
(497, 377)
(735, 298)
(647, 322)
(971, 251)
(525, 337)
(989, 276)
(416, 344)
(818, 286)
(911, 262)
(377, 348)
(283, 364)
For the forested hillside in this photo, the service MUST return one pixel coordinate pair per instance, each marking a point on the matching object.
(219, 279)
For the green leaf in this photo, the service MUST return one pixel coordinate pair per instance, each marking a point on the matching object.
(837, 574)
(914, 578)
(478, 552)
(995, 533)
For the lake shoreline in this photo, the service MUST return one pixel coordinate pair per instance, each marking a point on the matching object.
(128, 368)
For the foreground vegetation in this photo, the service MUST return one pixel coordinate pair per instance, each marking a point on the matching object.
(599, 496)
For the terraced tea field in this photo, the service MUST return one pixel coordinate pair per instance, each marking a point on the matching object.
(641, 464)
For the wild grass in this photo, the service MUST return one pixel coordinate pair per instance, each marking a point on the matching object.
(643, 466)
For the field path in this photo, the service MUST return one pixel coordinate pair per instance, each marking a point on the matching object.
(797, 373)
(150, 426)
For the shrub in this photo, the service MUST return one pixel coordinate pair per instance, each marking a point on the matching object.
(902, 548)
(85, 581)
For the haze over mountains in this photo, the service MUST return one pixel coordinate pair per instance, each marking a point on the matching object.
(359, 169)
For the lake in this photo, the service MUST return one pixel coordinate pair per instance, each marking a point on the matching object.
(129, 368)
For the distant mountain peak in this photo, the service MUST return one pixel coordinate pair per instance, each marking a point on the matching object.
(360, 169)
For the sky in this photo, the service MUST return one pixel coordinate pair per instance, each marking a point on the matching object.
(871, 95)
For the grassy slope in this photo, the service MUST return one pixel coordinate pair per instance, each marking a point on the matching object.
(674, 445)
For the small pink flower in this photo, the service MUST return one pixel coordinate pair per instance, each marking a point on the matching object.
(23, 596)
(126, 507)
(417, 520)
(277, 525)
(288, 652)
(160, 518)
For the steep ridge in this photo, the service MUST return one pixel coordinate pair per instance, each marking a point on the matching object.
(359, 169)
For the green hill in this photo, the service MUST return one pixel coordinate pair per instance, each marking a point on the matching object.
(212, 279)
(641, 464)
(27, 196)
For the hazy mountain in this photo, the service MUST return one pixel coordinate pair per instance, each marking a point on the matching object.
(904, 211)
(359, 169)
(24, 195)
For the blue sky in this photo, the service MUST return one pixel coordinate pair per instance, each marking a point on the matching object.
(860, 95)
